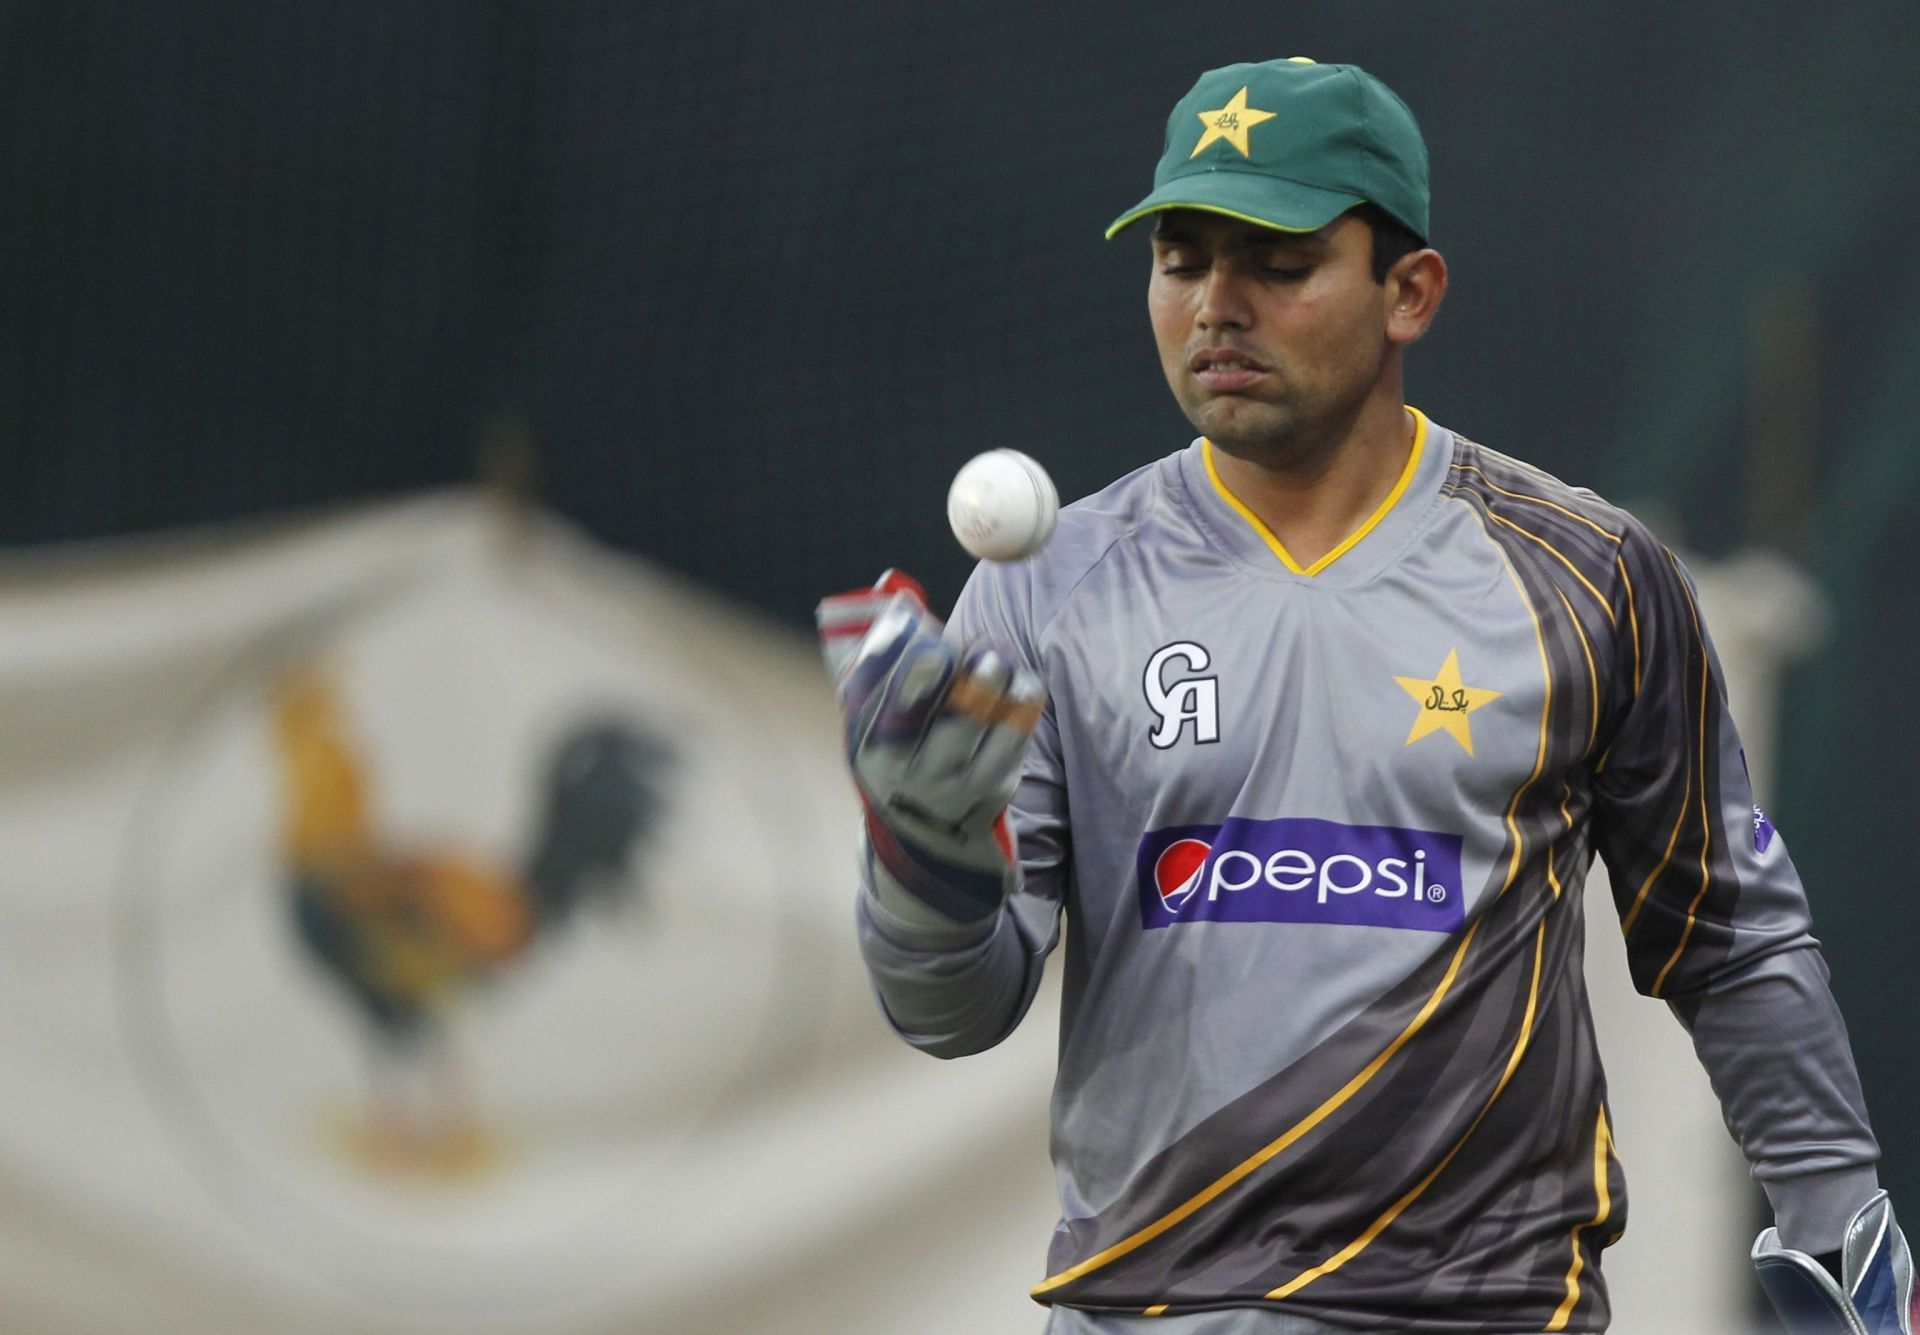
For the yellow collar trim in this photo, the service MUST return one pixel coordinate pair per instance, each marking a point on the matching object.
(1352, 539)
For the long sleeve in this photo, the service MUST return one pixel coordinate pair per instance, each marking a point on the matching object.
(952, 989)
(1775, 1047)
(1715, 918)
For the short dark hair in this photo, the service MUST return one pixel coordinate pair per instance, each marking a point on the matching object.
(1393, 240)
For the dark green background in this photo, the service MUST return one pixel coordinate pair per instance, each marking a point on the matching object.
(754, 280)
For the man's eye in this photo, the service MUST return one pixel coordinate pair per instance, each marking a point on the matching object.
(1288, 273)
(1180, 265)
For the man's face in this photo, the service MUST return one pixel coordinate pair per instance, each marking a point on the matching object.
(1271, 340)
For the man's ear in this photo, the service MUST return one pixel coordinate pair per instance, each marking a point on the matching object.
(1414, 288)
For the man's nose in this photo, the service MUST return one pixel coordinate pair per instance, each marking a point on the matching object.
(1223, 300)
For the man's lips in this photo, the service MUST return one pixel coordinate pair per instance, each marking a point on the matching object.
(1224, 370)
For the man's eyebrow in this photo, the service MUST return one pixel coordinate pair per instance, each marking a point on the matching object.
(1252, 239)
(1315, 240)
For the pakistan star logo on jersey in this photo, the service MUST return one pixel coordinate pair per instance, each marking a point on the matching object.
(1445, 703)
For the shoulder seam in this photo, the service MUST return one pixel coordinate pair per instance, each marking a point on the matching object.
(1040, 631)
(1556, 536)
(1563, 497)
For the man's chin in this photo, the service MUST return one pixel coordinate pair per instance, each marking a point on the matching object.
(1235, 424)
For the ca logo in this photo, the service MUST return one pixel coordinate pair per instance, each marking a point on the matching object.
(1194, 700)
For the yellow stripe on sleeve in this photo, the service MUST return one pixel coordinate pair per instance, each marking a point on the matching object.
(1593, 673)
(1700, 761)
(1633, 620)
(1542, 500)
(1599, 598)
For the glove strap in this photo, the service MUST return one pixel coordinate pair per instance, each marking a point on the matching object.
(961, 893)
(845, 618)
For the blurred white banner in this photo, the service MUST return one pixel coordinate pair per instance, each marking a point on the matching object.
(417, 921)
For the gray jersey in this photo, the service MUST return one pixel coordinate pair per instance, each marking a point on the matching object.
(1319, 839)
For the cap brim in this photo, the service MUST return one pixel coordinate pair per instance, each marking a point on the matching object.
(1269, 201)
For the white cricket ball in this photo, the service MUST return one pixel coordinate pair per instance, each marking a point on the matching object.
(1002, 506)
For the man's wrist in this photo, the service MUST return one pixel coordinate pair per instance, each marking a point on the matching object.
(907, 920)
(961, 884)
(1811, 1210)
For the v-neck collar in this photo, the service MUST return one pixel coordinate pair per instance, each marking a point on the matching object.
(1356, 557)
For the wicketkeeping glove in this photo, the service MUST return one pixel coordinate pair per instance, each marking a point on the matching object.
(1875, 1295)
(934, 738)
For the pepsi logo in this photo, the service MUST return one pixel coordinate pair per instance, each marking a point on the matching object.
(1300, 870)
(1176, 874)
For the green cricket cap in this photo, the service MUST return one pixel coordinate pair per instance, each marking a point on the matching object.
(1290, 144)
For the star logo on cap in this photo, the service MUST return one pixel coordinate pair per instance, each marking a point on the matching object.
(1445, 703)
(1230, 123)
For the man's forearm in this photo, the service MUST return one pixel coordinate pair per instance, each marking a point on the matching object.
(1774, 1044)
(949, 989)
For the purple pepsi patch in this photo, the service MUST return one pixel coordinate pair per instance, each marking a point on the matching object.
(1763, 830)
(1301, 871)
